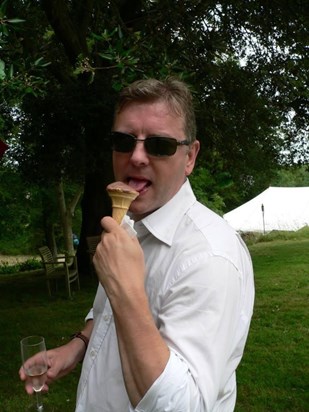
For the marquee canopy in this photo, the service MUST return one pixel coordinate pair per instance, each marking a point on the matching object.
(277, 208)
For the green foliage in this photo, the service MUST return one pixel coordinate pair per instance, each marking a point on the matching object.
(276, 235)
(209, 190)
(28, 265)
(26, 213)
(18, 76)
(19, 214)
(245, 62)
(5, 268)
(129, 56)
(118, 53)
(296, 176)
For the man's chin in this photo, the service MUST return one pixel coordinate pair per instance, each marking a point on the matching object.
(138, 214)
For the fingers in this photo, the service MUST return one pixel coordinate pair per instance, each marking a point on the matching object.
(23, 377)
(28, 385)
(108, 223)
(22, 374)
(52, 374)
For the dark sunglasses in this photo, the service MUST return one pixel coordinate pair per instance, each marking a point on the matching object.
(154, 145)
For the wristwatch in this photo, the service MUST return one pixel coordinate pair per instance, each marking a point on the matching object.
(79, 335)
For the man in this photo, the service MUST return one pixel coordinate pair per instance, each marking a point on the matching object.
(173, 307)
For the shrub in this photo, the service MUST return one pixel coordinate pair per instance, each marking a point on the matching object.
(30, 264)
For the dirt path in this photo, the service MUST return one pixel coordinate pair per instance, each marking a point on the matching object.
(12, 260)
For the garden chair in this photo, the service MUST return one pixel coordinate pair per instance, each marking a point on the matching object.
(61, 267)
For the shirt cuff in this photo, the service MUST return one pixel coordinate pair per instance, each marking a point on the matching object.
(89, 316)
(172, 388)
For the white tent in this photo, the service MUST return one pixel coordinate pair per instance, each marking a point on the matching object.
(277, 208)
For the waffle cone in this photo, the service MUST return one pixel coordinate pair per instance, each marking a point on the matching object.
(121, 197)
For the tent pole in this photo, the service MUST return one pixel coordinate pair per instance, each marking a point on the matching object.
(262, 207)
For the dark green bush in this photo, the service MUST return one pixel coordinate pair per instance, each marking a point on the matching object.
(30, 264)
(6, 269)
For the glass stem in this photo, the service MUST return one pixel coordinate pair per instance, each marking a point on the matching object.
(39, 403)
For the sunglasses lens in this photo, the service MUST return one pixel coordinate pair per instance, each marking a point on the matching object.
(122, 142)
(154, 145)
(160, 146)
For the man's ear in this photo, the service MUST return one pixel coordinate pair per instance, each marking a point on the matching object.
(191, 156)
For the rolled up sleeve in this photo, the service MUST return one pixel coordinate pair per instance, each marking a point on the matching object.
(174, 390)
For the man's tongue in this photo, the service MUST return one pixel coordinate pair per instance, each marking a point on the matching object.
(138, 185)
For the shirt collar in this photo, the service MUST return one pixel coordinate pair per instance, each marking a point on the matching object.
(163, 222)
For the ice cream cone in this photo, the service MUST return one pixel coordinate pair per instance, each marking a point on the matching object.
(122, 196)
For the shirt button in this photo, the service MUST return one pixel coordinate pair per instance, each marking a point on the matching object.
(106, 318)
(92, 353)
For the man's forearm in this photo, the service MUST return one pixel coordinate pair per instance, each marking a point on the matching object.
(144, 354)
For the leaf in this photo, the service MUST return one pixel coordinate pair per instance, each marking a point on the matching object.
(3, 8)
(106, 56)
(11, 71)
(120, 34)
(16, 20)
(2, 72)
(38, 61)
(104, 36)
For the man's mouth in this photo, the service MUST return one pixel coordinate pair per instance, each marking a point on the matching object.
(140, 185)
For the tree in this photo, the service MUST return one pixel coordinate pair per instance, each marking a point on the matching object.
(20, 213)
(66, 213)
(245, 62)
(28, 214)
(297, 176)
(20, 74)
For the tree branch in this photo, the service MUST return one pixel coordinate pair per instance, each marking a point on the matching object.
(59, 17)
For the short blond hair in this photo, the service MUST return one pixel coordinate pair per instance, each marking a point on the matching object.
(172, 91)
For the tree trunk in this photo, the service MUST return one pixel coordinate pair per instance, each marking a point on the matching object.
(66, 215)
(51, 238)
(49, 223)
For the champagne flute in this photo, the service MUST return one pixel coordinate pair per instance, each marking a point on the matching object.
(34, 360)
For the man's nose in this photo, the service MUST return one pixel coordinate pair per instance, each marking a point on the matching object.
(139, 154)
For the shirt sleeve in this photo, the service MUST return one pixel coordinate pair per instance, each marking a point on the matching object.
(199, 322)
(175, 387)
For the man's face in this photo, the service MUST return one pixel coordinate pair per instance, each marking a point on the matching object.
(157, 179)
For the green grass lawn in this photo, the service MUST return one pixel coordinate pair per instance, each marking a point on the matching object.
(273, 375)
(26, 309)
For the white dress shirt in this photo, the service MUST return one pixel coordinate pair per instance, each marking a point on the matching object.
(200, 286)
